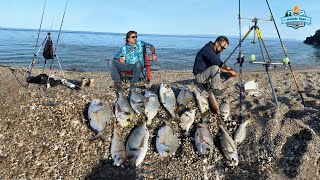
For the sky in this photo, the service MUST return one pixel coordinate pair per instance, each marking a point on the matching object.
(176, 17)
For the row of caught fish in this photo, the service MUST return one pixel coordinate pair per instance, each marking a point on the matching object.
(99, 114)
(167, 143)
(149, 105)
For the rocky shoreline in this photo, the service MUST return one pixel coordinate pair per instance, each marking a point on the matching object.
(314, 40)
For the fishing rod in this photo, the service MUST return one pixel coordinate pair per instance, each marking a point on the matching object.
(240, 60)
(64, 13)
(36, 52)
(44, 7)
(286, 59)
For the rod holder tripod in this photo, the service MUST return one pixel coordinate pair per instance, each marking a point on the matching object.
(266, 63)
(34, 61)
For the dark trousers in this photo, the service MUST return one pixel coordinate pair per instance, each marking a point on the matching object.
(116, 66)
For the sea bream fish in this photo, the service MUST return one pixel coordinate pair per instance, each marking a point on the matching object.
(118, 150)
(201, 100)
(184, 96)
(152, 105)
(186, 120)
(228, 148)
(137, 144)
(99, 114)
(166, 141)
(203, 138)
(168, 98)
(123, 110)
(224, 111)
(136, 101)
(241, 132)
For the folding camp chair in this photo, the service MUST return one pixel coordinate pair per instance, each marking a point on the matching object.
(146, 69)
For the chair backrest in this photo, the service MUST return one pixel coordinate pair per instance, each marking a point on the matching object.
(146, 57)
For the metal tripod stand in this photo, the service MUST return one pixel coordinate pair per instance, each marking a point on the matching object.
(266, 62)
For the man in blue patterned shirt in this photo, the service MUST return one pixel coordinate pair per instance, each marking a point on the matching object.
(130, 58)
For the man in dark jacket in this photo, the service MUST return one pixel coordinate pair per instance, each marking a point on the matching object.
(208, 65)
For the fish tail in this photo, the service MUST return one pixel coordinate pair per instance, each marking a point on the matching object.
(149, 121)
(186, 133)
(98, 136)
(166, 121)
(191, 87)
(181, 109)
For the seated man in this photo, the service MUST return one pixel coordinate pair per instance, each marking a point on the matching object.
(208, 65)
(130, 58)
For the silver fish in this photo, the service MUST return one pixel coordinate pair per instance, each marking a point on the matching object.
(118, 151)
(99, 114)
(168, 98)
(224, 111)
(166, 141)
(152, 105)
(228, 148)
(137, 144)
(184, 96)
(136, 101)
(186, 120)
(201, 100)
(241, 132)
(203, 139)
(123, 110)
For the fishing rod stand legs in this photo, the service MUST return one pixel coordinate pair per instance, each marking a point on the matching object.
(33, 61)
(240, 59)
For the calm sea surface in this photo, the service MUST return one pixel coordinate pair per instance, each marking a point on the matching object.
(88, 51)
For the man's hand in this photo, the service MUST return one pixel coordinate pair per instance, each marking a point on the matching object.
(154, 57)
(229, 70)
(232, 72)
(121, 59)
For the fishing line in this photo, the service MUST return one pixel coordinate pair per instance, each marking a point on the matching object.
(44, 7)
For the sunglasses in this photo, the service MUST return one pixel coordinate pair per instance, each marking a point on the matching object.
(134, 37)
(222, 47)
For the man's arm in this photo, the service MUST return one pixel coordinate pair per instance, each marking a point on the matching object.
(153, 50)
(227, 69)
(215, 60)
(120, 55)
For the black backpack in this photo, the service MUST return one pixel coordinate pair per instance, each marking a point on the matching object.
(48, 49)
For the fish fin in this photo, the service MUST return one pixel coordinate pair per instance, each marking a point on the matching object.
(118, 107)
(142, 143)
(146, 100)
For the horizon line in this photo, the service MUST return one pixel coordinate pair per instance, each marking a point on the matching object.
(122, 33)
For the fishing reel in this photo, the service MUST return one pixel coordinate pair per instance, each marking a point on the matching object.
(240, 59)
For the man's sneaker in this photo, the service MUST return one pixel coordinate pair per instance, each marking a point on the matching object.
(216, 92)
(207, 85)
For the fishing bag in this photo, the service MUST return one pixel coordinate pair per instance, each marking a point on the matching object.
(48, 49)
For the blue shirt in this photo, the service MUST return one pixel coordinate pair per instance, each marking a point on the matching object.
(132, 53)
(205, 58)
